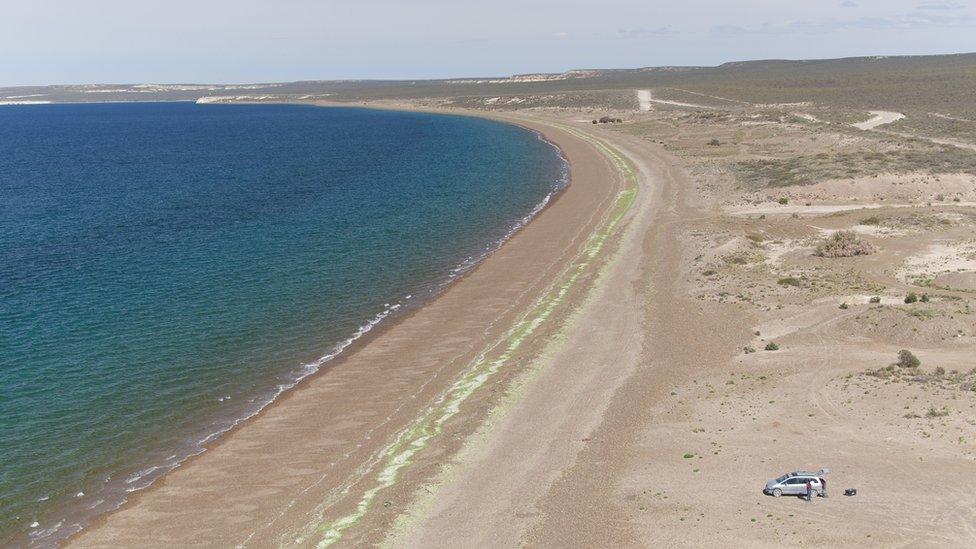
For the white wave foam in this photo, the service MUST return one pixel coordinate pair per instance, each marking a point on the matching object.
(26, 102)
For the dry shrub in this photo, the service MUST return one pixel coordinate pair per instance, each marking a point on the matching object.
(845, 244)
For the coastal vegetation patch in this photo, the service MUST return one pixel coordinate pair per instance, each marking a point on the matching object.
(811, 169)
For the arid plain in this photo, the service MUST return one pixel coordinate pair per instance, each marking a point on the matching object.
(780, 260)
(746, 317)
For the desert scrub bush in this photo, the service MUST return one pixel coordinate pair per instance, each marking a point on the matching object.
(924, 298)
(907, 359)
(912, 297)
(783, 200)
(875, 299)
(747, 350)
(844, 306)
(714, 142)
(873, 220)
(845, 244)
(771, 346)
(789, 281)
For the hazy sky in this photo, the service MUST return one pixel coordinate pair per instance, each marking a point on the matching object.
(131, 41)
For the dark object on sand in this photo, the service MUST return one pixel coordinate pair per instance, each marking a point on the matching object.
(850, 492)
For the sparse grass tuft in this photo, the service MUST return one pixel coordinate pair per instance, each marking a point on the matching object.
(937, 412)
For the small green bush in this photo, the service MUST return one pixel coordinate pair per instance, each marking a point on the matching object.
(925, 298)
(784, 201)
(844, 306)
(907, 359)
(911, 297)
(772, 346)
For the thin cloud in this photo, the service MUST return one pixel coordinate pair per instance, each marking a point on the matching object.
(643, 32)
(940, 5)
(848, 4)
(909, 21)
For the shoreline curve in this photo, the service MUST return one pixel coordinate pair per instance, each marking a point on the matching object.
(163, 513)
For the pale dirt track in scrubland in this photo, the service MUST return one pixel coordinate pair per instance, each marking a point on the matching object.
(645, 99)
(879, 118)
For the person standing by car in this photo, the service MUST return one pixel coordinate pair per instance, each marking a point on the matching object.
(823, 487)
(809, 490)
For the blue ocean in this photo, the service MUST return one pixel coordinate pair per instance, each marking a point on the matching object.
(168, 269)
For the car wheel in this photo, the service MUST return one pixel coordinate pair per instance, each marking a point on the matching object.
(777, 492)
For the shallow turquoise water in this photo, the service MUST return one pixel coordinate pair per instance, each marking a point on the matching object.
(166, 269)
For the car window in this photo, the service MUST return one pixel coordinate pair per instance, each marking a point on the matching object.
(782, 478)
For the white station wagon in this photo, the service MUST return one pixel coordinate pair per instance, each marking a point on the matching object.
(795, 483)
